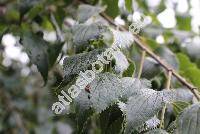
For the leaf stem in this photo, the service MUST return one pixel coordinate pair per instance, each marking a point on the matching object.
(141, 63)
(169, 80)
(163, 116)
(57, 28)
(169, 77)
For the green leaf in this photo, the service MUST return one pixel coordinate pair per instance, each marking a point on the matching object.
(87, 11)
(53, 52)
(41, 53)
(82, 118)
(189, 121)
(112, 7)
(26, 5)
(3, 30)
(80, 62)
(151, 43)
(34, 11)
(85, 33)
(12, 15)
(189, 70)
(184, 22)
(179, 106)
(128, 4)
(111, 120)
(131, 69)
(36, 49)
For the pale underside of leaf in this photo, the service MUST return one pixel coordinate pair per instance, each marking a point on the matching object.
(145, 105)
(87, 11)
(84, 33)
(189, 120)
(105, 91)
(81, 62)
(122, 39)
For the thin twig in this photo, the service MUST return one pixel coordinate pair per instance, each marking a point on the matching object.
(141, 63)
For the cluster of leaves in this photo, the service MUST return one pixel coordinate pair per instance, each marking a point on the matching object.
(115, 101)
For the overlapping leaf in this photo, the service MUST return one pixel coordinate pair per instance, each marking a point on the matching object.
(81, 62)
(144, 102)
(189, 120)
(87, 11)
(41, 53)
(105, 90)
(157, 131)
(84, 33)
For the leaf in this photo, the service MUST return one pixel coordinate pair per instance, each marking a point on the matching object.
(131, 69)
(168, 56)
(172, 127)
(85, 33)
(53, 52)
(151, 43)
(80, 62)
(179, 106)
(105, 90)
(192, 48)
(145, 105)
(111, 120)
(189, 121)
(34, 11)
(36, 49)
(128, 4)
(132, 86)
(122, 39)
(40, 52)
(121, 62)
(82, 118)
(189, 70)
(26, 5)
(151, 68)
(184, 22)
(3, 30)
(112, 7)
(157, 131)
(87, 11)
(184, 95)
